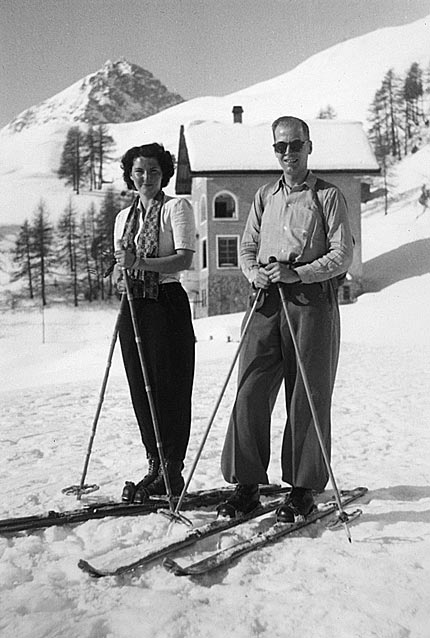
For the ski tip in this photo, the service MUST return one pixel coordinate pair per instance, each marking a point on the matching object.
(173, 567)
(89, 569)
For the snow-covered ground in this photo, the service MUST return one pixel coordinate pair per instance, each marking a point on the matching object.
(312, 584)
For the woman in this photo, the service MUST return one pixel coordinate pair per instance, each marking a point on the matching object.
(154, 240)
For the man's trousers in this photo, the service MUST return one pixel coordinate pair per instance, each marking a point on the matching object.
(168, 343)
(268, 357)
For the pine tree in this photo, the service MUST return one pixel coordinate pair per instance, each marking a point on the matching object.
(392, 91)
(87, 238)
(413, 90)
(413, 97)
(327, 113)
(73, 159)
(23, 257)
(102, 248)
(41, 244)
(68, 234)
(385, 117)
(84, 157)
(377, 119)
(90, 143)
(103, 144)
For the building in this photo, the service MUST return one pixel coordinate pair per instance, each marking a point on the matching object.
(220, 167)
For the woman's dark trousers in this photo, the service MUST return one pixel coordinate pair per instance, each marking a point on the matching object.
(169, 351)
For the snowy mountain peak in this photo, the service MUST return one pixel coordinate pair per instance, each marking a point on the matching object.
(118, 92)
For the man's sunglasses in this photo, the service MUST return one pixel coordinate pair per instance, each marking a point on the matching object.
(295, 146)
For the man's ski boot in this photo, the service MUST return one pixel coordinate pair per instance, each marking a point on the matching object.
(245, 499)
(298, 504)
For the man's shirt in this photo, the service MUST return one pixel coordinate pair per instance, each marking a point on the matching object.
(294, 226)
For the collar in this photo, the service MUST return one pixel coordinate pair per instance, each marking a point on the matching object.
(157, 198)
(308, 183)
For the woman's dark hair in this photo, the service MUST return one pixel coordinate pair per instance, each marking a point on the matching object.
(157, 151)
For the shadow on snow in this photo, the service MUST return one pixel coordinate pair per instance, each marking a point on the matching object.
(409, 260)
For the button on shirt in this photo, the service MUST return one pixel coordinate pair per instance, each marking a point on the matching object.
(299, 227)
(177, 230)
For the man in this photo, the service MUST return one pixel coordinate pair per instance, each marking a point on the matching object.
(302, 221)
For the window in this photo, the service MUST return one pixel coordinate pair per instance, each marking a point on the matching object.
(204, 298)
(203, 209)
(204, 253)
(225, 206)
(227, 251)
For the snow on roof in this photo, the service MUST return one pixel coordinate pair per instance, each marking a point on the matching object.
(216, 146)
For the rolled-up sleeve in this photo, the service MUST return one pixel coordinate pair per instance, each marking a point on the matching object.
(338, 257)
(250, 238)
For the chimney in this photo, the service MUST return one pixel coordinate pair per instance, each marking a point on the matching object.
(237, 114)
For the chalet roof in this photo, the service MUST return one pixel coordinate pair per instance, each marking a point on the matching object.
(220, 147)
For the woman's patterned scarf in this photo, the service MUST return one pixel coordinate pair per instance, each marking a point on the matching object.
(144, 283)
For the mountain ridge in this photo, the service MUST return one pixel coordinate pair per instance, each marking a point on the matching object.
(119, 91)
(345, 75)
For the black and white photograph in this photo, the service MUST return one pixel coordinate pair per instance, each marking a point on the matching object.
(214, 319)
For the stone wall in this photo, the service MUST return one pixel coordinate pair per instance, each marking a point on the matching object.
(227, 294)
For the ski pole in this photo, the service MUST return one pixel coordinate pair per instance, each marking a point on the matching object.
(343, 516)
(148, 390)
(215, 410)
(81, 488)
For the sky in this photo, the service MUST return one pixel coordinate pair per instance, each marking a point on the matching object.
(194, 47)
